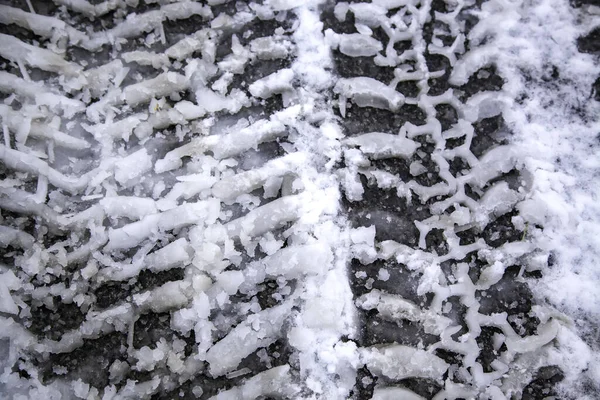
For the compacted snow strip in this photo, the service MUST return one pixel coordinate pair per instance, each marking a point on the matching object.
(227, 145)
(187, 214)
(15, 50)
(44, 26)
(29, 163)
(40, 94)
(27, 126)
(260, 330)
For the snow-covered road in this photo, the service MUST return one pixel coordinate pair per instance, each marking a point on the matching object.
(299, 199)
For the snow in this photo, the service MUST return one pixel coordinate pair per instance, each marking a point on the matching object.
(206, 219)
(172, 255)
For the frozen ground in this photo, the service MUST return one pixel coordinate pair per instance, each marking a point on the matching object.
(299, 199)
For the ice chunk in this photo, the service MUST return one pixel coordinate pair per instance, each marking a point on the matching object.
(416, 168)
(163, 85)
(210, 101)
(471, 62)
(391, 4)
(96, 323)
(269, 48)
(290, 263)
(398, 362)
(246, 182)
(14, 237)
(224, 146)
(533, 210)
(277, 83)
(15, 50)
(29, 163)
(496, 161)
(491, 275)
(368, 14)
(133, 166)
(235, 142)
(17, 122)
(357, 45)
(147, 58)
(353, 188)
(198, 41)
(380, 145)
(395, 308)
(128, 206)
(85, 7)
(42, 25)
(174, 254)
(136, 24)
(80, 389)
(499, 199)
(266, 218)
(190, 186)
(230, 281)
(8, 281)
(187, 214)
(395, 393)
(171, 295)
(42, 95)
(367, 92)
(328, 309)
(364, 235)
(545, 333)
(258, 330)
(147, 358)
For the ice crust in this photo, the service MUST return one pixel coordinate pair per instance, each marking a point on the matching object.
(167, 193)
